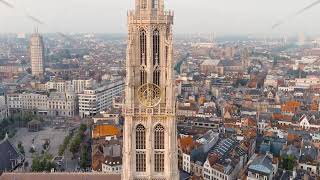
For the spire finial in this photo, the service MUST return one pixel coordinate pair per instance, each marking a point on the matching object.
(36, 30)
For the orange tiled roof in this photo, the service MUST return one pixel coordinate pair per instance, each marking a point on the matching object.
(104, 130)
(281, 117)
(97, 165)
(186, 141)
(187, 144)
(202, 100)
(293, 138)
(314, 107)
(290, 106)
(250, 122)
(250, 133)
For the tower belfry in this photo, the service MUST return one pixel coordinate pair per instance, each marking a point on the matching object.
(150, 135)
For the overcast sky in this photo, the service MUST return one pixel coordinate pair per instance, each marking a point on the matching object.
(191, 16)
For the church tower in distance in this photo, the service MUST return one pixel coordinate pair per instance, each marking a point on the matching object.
(150, 135)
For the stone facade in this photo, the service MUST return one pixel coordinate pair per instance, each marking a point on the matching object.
(150, 139)
(54, 104)
(62, 104)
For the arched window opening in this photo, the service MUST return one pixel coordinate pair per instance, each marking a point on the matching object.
(155, 4)
(143, 76)
(156, 47)
(143, 4)
(167, 51)
(159, 137)
(140, 137)
(140, 148)
(143, 47)
(156, 77)
(159, 148)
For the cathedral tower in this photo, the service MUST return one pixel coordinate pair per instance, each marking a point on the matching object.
(150, 135)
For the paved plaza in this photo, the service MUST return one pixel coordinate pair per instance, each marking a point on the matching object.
(37, 139)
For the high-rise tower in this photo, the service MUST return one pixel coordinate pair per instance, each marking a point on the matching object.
(37, 55)
(150, 139)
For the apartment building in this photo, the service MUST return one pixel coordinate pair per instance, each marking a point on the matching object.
(80, 85)
(62, 104)
(76, 86)
(59, 85)
(53, 104)
(99, 98)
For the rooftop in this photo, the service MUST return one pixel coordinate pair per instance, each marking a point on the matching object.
(104, 130)
(8, 153)
(262, 164)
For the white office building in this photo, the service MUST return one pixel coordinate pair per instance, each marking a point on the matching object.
(99, 98)
(76, 86)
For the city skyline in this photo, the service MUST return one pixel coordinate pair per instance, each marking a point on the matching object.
(243, 18)
(232, 93)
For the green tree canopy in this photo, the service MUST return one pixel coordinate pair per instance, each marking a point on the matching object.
(42, 163)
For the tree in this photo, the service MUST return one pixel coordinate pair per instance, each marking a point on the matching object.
(288, 162)
(63, 146)
(83, 128)
(84, 157)
(42, 163)
(78, 138)
(75, 145)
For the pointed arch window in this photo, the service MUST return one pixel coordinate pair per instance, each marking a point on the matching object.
(156, 76)
(159, 137)
(140, 148)
(140, 137)
(143, 4)
(159, 148)
(156, 47)
(143, 76)
(155, 4)
(167, 55)
(143, 47)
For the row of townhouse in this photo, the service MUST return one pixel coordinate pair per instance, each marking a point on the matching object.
(43, 103)
(211, 157)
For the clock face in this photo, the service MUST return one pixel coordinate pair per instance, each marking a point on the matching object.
(149, 95)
